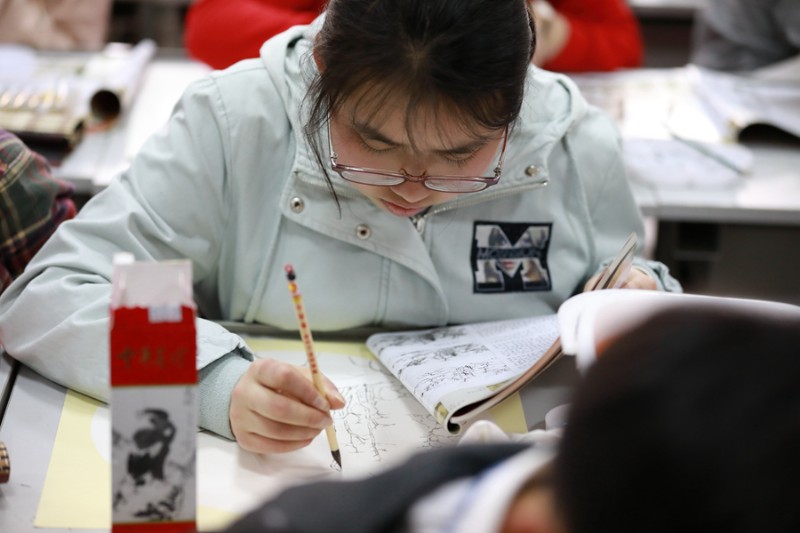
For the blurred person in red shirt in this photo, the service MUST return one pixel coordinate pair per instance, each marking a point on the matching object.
(573, 35)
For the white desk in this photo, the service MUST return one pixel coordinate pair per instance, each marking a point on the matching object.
(100, 156)
(28, 430)
(35, 408)
(770, 195)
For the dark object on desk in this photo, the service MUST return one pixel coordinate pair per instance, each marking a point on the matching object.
(115, 93)
(5, 464)
(52, 129)
(735, 102)
(53, 147)
(767, 133)
(374, 504)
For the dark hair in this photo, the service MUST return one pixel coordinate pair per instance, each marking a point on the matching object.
(469, 57)
(690, 422)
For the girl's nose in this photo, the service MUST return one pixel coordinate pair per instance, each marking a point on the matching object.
(411, 192)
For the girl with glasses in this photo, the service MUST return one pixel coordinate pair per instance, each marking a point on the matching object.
(404, 156)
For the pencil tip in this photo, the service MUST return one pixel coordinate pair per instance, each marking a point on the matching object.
(337, 456)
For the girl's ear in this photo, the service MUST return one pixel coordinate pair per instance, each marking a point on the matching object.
(318, 60)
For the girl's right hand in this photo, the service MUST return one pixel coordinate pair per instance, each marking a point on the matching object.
(275, 407)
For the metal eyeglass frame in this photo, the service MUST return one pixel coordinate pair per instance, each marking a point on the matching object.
(434, 183)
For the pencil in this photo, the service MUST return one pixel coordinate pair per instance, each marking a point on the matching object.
(308, 344)
(710, 153)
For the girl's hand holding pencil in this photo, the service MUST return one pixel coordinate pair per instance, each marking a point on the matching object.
(276, 408)
(620, 272)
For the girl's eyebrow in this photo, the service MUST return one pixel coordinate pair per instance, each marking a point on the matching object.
(369, 132)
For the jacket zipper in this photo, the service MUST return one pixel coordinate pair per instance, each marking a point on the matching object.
(421, 219)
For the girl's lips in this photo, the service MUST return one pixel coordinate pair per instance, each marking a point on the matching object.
(401, 211)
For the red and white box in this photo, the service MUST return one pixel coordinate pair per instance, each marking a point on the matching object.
(153, 347)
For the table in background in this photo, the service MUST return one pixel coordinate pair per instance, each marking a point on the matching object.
(738, 240)
(101, 155)
(741, 242)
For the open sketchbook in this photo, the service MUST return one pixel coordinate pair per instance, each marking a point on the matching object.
(681, 126)
(736, 102)
(458, 372)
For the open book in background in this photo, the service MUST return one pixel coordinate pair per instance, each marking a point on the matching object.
(768, 97)
(670, 137)
(458, 372)
(49, 99)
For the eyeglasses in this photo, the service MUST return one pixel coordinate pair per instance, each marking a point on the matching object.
(384, 178)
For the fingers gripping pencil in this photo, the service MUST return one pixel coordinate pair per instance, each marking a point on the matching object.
(308, 344)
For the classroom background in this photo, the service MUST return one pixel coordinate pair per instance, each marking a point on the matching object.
(734, 243)
(734, 238)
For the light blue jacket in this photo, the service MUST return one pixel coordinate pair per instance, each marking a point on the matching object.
(231, 184)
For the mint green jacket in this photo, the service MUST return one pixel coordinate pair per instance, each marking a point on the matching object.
(231, 184)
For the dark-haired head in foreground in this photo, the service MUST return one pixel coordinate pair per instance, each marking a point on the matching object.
(690, 422)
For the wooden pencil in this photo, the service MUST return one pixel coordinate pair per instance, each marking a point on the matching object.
(308, 344)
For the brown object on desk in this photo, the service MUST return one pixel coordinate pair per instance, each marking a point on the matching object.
(5, 464)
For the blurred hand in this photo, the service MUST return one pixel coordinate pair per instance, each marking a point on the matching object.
(552, 31)
(637, 279)
(275, 407)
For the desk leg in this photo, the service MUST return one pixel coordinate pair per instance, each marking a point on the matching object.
(738, 260)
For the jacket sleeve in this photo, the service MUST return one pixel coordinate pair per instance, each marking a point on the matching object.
(603, 35)
(222, 32)
(170, 204)
(611, 207)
